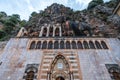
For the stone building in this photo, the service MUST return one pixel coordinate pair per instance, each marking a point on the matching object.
(53, 56)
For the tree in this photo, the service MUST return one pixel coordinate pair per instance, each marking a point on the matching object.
(3, 14)
(94, 3)
(23, 23)
(34, 14)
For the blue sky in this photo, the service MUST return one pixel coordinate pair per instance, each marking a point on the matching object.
(25, 7)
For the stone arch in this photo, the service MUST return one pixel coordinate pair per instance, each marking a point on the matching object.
(33, 45)
(74, 45)
(57, 57)
(56, 45)
(92, 45)
(57, 31)
(44, 45)
(85, 43)
(50, 45)
(98, 45)
(31, 73)
(38, 46)
(104, 45)
(115, 73)
(79, 44)
(62, 45)
(51, 31)
(44, 34)
(68, 45)
(55, 71)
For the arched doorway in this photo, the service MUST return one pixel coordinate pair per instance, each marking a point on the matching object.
(60, 69)
(60, 78)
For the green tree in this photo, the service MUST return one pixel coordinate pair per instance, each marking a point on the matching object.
(94, 3)
(23, 23)
(34, 14)
(3, 14)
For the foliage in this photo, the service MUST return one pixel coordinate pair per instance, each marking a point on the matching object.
(10, 24)
(94, 3)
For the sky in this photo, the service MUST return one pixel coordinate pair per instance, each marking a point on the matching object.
(25, 7)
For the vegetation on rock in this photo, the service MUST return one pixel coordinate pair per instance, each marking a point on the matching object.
(98, 16)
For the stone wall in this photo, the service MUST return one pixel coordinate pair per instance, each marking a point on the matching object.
(16, 56)
(2, 45)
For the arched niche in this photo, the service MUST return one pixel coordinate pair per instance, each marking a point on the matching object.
(51, 31)
(44, 34)
(57, 31)
(104, 45)
(32, 45)
(59, 68)
(31, 73)
(115, 73)
(98, 45)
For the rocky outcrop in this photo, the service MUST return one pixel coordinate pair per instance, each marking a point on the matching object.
(2, 45)
(99, 19)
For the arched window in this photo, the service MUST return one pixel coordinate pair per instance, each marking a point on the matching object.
(74, 46)
(51, 31)
(56, 45)
(68, 46)
(98, 46)
(50, 45)
(92, 46)
(115, 73)
(32, 46)
(38, 46)
(57, 32)
(44, 45)
(30, 75)
(62, 45)
(79, 45)
(104, 45)
(44, 32)
(85, 43)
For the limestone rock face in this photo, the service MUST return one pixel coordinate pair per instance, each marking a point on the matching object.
(114, 19)
(104, 9)
(100, 16)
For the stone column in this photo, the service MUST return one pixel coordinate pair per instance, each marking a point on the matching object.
(48, 31)
(71, 76)
(41, 32)
(60, 31)
(48, 75)
(54, 30)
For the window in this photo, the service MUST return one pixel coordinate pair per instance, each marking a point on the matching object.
(31, 72)
(38, 46)
(44, 45)
(104, 45)
(44, 32)
(74, 46)
(114, 71)
(62, 45)
(51, 31)
(79, 45)
(56, 45)
(59, 65)
(92, 46)
(50, 45)
(32, 46)
(30, 75)
(85, 45)
(68, 45)
(98, 46)
(57, 32)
